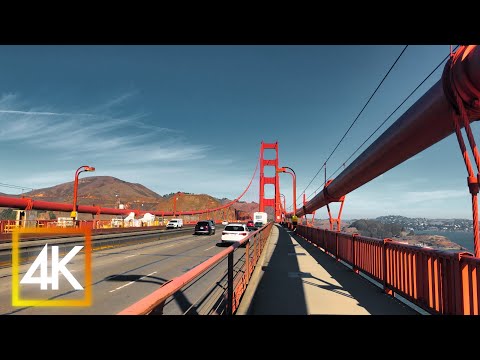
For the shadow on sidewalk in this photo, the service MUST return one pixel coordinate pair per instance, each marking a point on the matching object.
(368, 296)
(277, 293)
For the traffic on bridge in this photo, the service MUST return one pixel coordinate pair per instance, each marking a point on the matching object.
(101, 245)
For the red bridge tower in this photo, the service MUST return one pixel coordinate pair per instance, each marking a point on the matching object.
(274, 202)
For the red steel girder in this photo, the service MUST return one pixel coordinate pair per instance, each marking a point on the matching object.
(425, 123)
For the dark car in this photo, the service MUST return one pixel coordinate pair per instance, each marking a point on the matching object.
(251, 226)
(204, 227)
(213, 225)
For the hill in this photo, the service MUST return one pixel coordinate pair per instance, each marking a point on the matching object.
(377, 229)
(422, 224)
(109, 191)
(104, 190)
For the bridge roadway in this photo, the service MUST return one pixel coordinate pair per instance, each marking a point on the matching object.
(124, 275)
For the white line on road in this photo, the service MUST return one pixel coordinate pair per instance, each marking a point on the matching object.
(170, 245)
(130, 256)
(211, 247)
(131, 282)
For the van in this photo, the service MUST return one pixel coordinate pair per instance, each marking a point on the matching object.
(260, 218)
(175, 223)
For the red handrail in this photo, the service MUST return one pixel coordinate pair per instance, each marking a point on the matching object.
(438, 281)
(156, 300)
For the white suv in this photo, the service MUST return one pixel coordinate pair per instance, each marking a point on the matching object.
(175, 223)
(234, 232)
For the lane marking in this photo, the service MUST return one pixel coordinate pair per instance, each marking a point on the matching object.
(131, 282)
(211, 247)
(170, 245)
(130, 256)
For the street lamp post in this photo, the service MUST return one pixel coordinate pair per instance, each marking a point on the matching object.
(83, 168)
(294, 178)
(175, 198)
(284, 203)
(284, 208)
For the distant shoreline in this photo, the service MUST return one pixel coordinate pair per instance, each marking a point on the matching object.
(463, 238)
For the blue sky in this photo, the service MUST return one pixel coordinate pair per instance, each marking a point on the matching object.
(191, 118)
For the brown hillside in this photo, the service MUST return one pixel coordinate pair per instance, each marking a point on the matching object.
(187, 202)
(248, 208)
(100, 190)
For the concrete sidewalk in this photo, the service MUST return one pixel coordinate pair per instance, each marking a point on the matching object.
(297, 278)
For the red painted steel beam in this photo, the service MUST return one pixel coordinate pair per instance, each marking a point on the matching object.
(27, 203)
(425, 123)
(22, 203)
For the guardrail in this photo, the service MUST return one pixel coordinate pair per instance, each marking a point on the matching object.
(7, 237)
(100, 240)
(236, 283)
(440, 282)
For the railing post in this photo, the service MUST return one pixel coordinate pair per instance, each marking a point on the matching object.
(158, 310)
(354, 262)
(386, 289)
(230, 284)
(336, 245)
(458, 288)
(254, 253)
(247, 261)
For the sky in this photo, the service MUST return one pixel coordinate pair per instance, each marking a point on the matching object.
(191, 118)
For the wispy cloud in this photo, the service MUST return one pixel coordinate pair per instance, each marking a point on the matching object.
(117, 139)
(123, 144)
(40, 113)
(118, 100)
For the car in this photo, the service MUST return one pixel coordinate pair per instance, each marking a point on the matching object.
(204, 227)
(224, 222)
(174, 223)
(251, 226)
(234, 232)
(213, 224)
(258, 224)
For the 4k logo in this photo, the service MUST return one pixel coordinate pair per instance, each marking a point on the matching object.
(42, 262)
(50, 274)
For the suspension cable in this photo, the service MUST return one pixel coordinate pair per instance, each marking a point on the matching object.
(459, 112)
(389, 116)
(16, 187)
(354, 121)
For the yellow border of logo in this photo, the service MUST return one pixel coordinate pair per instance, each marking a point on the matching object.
(17, 301)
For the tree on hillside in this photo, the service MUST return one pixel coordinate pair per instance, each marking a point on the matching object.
(376, 229)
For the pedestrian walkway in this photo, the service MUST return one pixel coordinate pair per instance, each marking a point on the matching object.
(297, 278)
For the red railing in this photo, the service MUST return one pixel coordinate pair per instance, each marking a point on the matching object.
(437, 281)
(470, 276)
(235, 285)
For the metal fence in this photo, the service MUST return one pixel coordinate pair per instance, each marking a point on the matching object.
(224, 296)
(440, 282)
